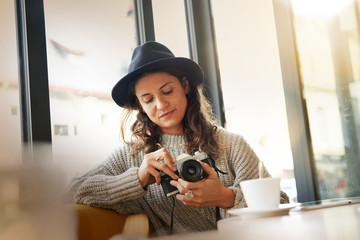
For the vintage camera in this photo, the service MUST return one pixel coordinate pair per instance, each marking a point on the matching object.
(188, 168)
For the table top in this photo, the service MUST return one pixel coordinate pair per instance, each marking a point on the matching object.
(339, 222)
(333, 223)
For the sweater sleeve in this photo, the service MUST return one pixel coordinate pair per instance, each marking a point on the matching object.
(107, 184)
(243, 164)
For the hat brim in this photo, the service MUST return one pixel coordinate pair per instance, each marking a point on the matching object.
(192, 70)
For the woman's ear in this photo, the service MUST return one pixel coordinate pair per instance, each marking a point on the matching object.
(185, 84)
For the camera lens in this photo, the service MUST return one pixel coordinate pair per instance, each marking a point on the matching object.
(191, 171)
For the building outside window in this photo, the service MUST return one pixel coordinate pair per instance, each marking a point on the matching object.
(89, 45)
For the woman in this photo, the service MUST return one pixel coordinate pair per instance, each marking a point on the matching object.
(173, 118)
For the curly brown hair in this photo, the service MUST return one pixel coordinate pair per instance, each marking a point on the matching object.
(199, 122)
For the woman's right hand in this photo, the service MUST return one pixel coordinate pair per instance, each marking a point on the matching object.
(148, 172)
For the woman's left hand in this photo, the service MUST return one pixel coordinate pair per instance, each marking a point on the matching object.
(206, 193)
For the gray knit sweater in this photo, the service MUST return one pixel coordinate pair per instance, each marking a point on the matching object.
(114, 185)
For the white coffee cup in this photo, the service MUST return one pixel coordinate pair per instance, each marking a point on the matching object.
(261, 193)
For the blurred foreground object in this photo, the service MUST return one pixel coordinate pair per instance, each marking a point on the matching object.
(31, 204)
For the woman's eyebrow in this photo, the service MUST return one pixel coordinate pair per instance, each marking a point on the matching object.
(164, 85)
(145, 94)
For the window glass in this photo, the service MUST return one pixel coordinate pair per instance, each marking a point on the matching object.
(10, 135)
(10, 128)
(328, 46)
(170, 25)
(89, 45)
(252, 83)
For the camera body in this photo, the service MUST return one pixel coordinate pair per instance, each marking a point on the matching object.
(188, 168)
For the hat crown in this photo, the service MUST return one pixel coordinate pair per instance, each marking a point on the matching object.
(148, 53)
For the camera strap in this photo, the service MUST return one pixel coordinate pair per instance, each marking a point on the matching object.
(172, 215)
(217, 212)
(212, 164)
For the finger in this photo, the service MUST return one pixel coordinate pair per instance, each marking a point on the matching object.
(174, 183)
(166, 157)
(156, 175)
(163, 167)
(208, 169)
(188, 201)
(181, 189)
(188, 185)
(169, 161)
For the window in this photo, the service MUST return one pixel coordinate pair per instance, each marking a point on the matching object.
(89, 46)
(10, 137)
(170, 15)
(328, 47)
(252, 83)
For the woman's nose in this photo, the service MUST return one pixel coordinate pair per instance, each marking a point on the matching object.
(161, 103)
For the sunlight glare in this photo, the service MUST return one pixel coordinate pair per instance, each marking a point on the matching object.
(319, 8)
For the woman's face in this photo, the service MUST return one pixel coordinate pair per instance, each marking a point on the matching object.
(163, 99)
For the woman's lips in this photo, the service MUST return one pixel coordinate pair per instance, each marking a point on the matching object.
(167, 114)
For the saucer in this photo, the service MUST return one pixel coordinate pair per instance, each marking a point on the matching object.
(283, 209)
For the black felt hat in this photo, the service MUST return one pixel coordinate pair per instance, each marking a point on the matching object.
(153, 56)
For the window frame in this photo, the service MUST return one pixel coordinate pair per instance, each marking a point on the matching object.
(298, 123)
(33, 72)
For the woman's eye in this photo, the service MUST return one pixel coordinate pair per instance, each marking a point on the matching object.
(148, 100)
(168, 92)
